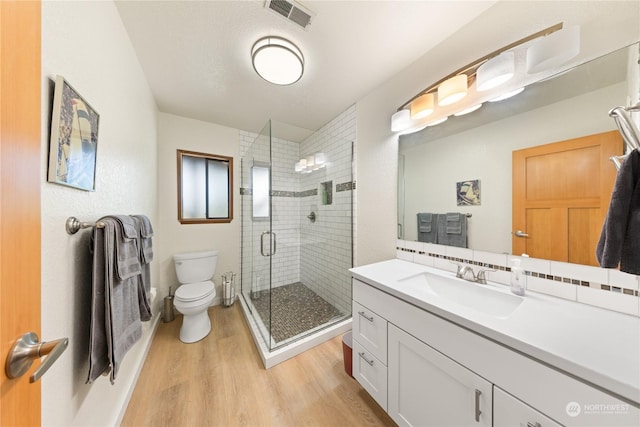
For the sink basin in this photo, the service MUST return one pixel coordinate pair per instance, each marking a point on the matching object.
(480, 298)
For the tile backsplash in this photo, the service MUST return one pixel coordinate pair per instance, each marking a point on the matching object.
(601, 287)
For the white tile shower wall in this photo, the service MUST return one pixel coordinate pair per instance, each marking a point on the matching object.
(605, 288)
(327, 244)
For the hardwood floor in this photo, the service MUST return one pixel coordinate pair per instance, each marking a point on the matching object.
(220, 381)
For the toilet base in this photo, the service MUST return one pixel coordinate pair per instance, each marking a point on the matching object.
(195, 327)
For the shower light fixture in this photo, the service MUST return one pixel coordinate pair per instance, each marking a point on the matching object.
(422, 106)
(277, 60)
(311, 163)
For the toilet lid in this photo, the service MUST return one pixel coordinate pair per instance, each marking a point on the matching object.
(195, 291)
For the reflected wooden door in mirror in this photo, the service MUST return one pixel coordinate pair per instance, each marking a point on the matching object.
(205, 188)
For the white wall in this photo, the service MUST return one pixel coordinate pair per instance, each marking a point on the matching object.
(87, 44)
(175, 132)
(605, 26)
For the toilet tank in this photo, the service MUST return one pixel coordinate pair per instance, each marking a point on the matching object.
(192, 267)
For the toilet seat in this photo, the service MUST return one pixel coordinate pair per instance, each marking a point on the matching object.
(194, 291)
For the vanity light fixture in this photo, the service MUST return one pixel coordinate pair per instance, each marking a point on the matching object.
(483, 74)
(507, 95)
(277, 60)
(553, 50)
(400, 120)
(452, 90)
(422, 106)
(496, 71)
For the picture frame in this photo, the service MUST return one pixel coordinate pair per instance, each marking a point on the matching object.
(73, 145)
(468, 193)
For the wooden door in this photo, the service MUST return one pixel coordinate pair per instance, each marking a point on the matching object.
(561, 193)
(20, 171)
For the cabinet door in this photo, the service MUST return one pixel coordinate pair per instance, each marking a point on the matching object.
(510, 412)
(427, 388)
(370, 330)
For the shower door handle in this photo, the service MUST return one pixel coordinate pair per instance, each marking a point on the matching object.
(271, 245)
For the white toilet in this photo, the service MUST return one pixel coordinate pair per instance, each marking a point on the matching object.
(196, 292)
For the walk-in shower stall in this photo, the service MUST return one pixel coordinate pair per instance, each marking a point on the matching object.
(297, 238)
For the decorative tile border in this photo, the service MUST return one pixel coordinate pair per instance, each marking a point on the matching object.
(559, 279)
(346, 186)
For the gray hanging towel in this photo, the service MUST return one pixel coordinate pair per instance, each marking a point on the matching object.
(619, 243)
(143, 224)
(427, 228)
(447, 234)
(454, 220)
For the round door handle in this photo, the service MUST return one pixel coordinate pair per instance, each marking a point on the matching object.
(519, 233)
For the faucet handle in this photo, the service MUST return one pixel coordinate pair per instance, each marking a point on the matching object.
(460, 267)
(481, 277)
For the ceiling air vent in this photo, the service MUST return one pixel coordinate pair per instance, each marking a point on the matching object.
(292, 11)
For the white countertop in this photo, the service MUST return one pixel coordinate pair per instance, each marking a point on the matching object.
(599, 346)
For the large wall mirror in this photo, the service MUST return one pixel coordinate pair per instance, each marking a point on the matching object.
(480, 146)
(205, 188)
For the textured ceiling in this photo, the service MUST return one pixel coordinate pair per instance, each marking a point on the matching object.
(196, 54)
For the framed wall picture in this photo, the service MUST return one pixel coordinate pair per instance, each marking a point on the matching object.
(74, 139)
(468, 193)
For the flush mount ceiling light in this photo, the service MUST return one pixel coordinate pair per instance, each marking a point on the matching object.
(487, 72)
(452, 90)
(422, 106)
(553, 50)
(496, 71)
(277, 60)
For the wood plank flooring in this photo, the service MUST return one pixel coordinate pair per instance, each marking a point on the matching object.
(220, 381)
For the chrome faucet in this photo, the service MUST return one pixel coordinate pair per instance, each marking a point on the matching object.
(480, 277)
(462, 273)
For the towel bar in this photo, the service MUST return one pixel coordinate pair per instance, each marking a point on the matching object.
(73, 225)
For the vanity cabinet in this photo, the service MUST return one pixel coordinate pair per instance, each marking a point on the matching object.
(425, 370)
(509, 412)
(427, 388)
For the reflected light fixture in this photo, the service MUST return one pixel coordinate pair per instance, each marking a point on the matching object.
(437, 122)
(496, 71)
(422, 106)
(277, 60)
(452, 90)
(507, 95)
(468, 110)
(553, 50)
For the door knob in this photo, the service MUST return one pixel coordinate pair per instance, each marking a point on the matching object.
(519, 233)
(26, 349)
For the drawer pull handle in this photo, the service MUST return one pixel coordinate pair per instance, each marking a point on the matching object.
(362, 313)
(535, 424)
(370, 362)
(478, 411)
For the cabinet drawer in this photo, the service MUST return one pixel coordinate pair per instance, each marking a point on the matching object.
(370, 330)
(371, 373)
(509, 411)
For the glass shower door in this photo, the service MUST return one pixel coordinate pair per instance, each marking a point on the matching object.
(258, 241)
